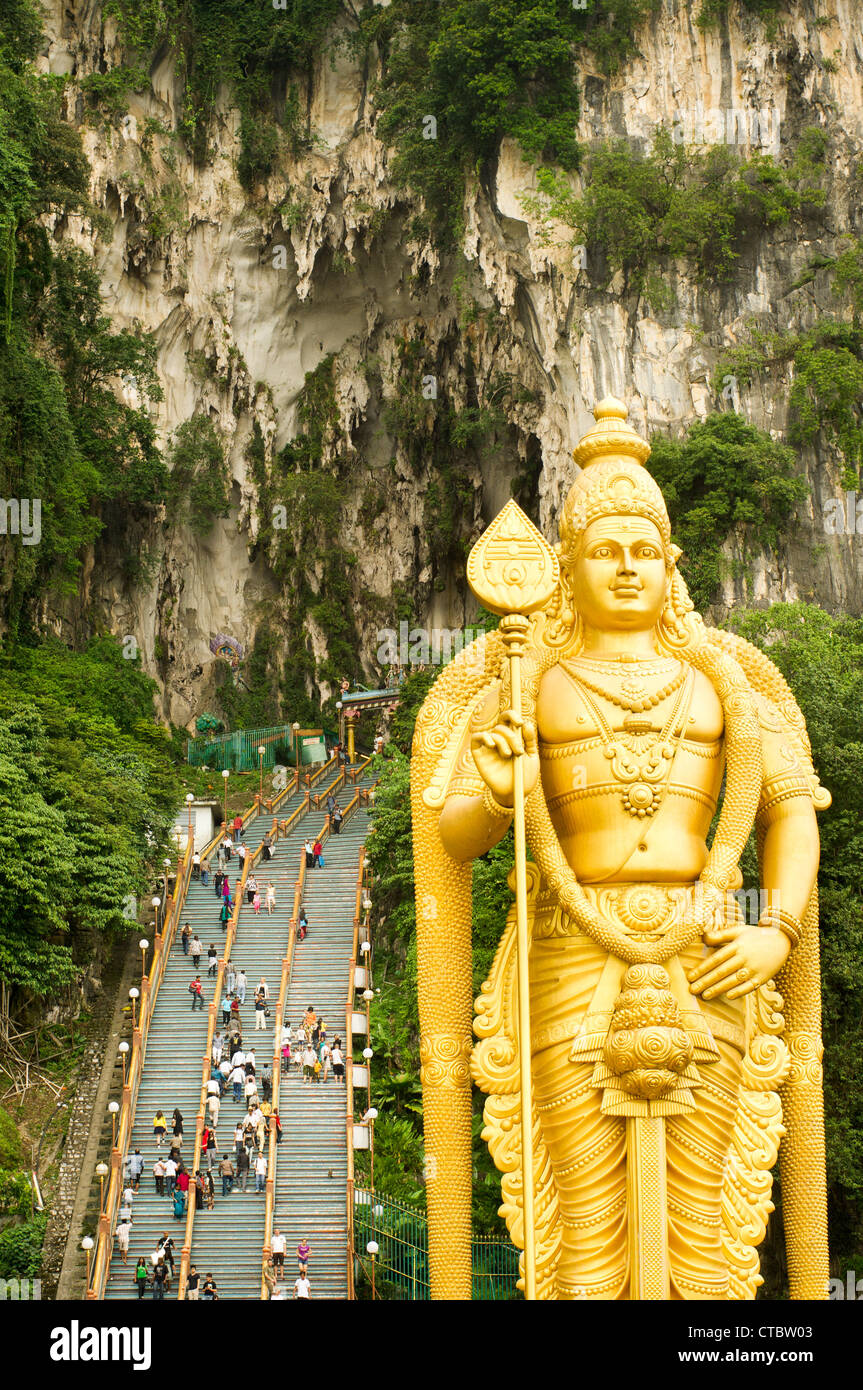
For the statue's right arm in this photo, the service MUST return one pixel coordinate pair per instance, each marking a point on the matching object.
(469, 826)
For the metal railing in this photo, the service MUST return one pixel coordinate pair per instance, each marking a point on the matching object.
(400, 1232)
(349, 1071)
(149, 993)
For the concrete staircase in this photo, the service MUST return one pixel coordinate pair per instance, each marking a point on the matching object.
(311, 1168)
(227, 1241)
(172, 1077)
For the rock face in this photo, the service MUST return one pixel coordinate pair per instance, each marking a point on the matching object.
(246, 294)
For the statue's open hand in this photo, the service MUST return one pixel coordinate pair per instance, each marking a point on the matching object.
(494, 751)
(748, 961)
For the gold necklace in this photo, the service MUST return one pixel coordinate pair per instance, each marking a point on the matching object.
(640, 762)
(637, 699)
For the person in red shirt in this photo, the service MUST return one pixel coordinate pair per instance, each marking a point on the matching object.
(238, 827)
(195, 991)
(317, 850)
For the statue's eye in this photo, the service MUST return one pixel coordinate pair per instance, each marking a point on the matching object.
(649, 552)
(602, 552)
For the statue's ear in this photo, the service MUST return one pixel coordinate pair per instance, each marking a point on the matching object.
(675, 552)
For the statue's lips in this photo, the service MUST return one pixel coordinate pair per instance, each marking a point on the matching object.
(627, 591)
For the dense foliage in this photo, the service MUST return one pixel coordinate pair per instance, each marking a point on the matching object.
(722, 475)
(249, 47)
(88, 789)
(638, 209)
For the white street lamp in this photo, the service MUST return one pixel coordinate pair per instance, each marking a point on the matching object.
(101, 1174)
(87, 1245)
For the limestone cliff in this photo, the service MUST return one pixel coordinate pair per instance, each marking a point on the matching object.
(515, 321)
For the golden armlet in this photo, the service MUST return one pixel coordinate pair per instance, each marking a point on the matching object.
(785, 921)
(494, 808)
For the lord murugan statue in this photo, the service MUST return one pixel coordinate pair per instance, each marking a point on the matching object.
(640, 1079)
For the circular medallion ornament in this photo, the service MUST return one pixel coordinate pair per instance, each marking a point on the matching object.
(641, 800)
(643, 908)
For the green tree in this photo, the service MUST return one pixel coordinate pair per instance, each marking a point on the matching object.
(725, 473)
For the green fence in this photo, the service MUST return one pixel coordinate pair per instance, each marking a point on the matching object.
(401, 1265)
(239, 751)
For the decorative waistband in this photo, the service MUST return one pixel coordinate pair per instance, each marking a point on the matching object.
(645, 910)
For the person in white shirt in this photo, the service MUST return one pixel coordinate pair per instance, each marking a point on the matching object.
(302, 1287)
(250, 1058)
(196, 865)
(260, 1172)
(213, 1087)
(217, 1048)
(309, 1060)
(124, 1230)
(238, 1077)
(239, 1058)
(325, 1060)
(241, 986)
(280, 1245)
(214, 1105)
(170, 1174)
(251, 1088)
(271, 899)
(338, 1063)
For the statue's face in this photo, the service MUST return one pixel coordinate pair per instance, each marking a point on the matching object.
(619, 579)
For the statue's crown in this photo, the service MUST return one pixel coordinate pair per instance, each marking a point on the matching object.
(611, 435)
(613, 480)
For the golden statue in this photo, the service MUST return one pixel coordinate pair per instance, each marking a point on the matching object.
(638, 1088)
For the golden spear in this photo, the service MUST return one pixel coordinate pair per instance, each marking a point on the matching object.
(513, 571)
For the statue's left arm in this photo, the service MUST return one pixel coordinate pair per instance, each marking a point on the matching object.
(789, 869)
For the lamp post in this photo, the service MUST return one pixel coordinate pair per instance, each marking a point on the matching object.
(351, 716)
(261, 751)
(114, 1110)
(87, 1247)
(372, 1249)
(144, 946)
(368, 995)
(123, 1049)
(156, 903)
(101, 1174)
(189, 799)
(339, 708)
(296, 729)
(133, 995)
(368, 1054)
(370, 1116)
(226, 774)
